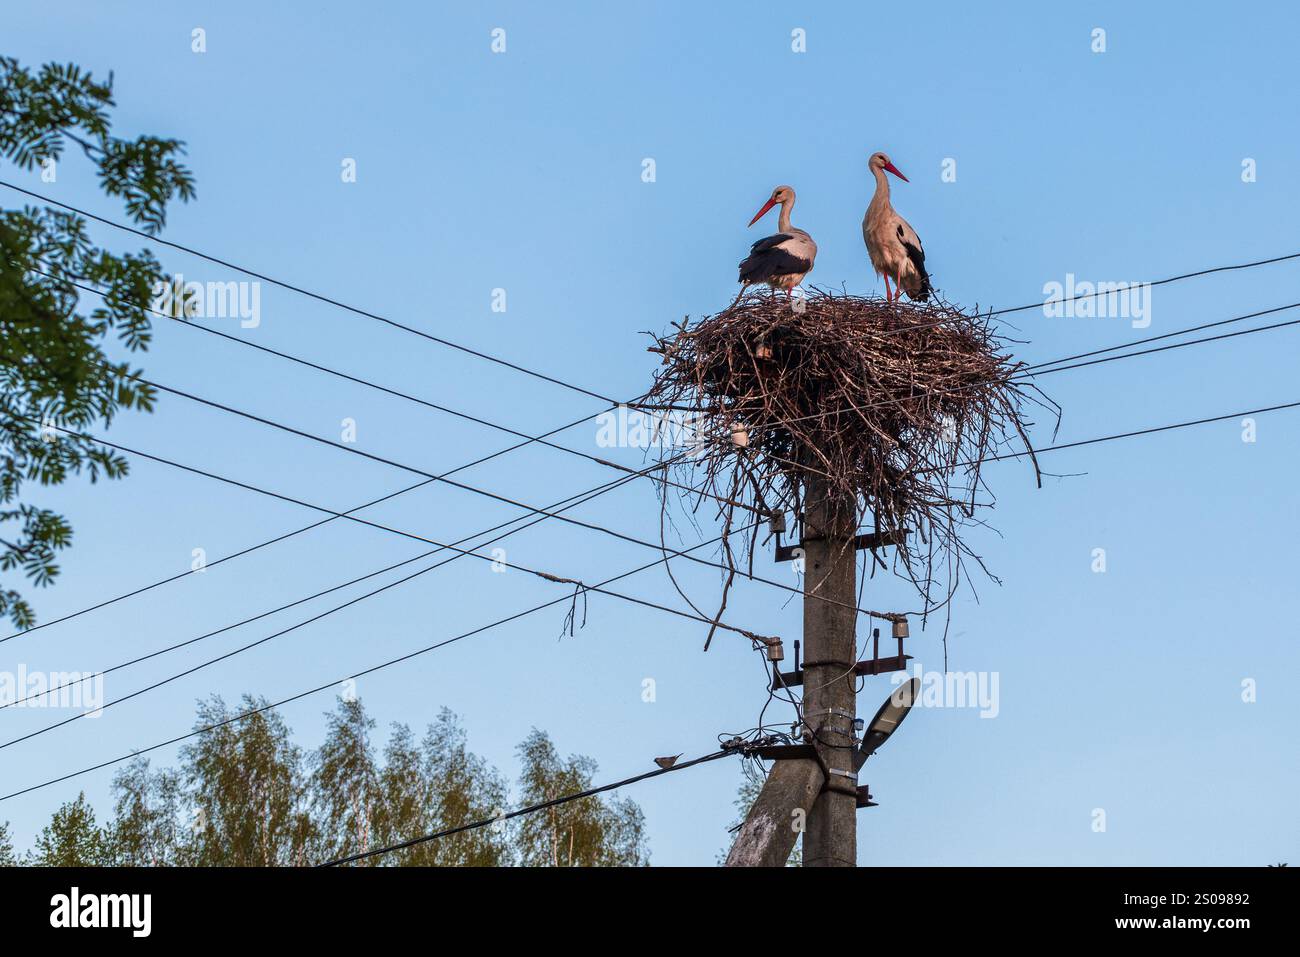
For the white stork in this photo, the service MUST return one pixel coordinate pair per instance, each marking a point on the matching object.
(892, 243)
(781, 260)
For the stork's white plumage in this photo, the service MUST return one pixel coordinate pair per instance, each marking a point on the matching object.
(895, 249)
(781, 260)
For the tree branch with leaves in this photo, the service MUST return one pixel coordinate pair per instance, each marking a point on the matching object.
(56, 379)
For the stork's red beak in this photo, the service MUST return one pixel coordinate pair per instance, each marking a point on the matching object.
(762, 212)
(890, 167)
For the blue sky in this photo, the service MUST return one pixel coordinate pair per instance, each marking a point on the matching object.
(522, 171)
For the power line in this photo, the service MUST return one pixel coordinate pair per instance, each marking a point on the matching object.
(1173, 345)
(484, 492)
(1128, 435)
(313, 295)
(380, 388)
(1154, 282)
(547, 576)
(332, 684)
(531, 808)
(1112, 438)
(362, 312)
(1032, 372)
(542, 511)
(573, 501)
(186, 574)
(464, 486)
(288, 535)
(1039, 366)
(1092, 295)
(1168, 335)
(263, 640)
(529, 439)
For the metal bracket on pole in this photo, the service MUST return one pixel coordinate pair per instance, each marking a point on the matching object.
(793, 752)
(875, 665)
(867, 540)
(810, 752)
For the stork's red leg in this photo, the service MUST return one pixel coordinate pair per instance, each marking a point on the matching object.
(889, 296)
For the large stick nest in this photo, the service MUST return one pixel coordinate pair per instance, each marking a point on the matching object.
(893, 406)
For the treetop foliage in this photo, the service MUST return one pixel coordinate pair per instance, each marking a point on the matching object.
(245, 795)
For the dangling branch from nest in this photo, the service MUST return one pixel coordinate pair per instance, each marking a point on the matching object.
(570, 624)
(892, 406)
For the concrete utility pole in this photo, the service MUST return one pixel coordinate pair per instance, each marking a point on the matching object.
(830, 648)
(828, 797)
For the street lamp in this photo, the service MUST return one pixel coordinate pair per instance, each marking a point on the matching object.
(887, 720)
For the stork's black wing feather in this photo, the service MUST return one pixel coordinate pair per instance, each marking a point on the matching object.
(770, 263)
(914, 252)
(917, 256)
(768, 242)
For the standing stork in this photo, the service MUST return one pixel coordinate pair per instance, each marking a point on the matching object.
(781, 260)
(892, 243)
